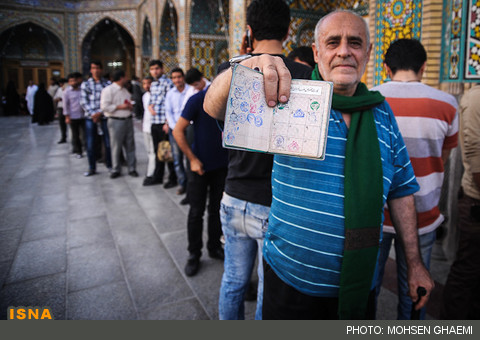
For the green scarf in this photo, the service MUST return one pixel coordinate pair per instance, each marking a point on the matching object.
(363, 200)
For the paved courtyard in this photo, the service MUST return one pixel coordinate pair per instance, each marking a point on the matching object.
(97, 248)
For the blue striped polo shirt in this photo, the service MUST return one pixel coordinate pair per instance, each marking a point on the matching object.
(305, 237)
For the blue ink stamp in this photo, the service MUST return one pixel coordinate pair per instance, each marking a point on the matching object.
(279, 142)
(238, 93)
(299, 114)
(234, 103)
(256, 85)
(251, 118)
(261, 109)
(244, 107)
(241, 118)
(230, 138)
(258, 121)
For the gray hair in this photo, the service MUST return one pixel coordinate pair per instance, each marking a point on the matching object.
(319, 23)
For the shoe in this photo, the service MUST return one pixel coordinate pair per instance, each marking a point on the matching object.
(181, 191)
(78, 156)
(169, 185)
(89, 173)
(151, 181)
(61, 141)
(114, 175)
(192, 266)
(133, 173)
(185, 201)
(217, 254)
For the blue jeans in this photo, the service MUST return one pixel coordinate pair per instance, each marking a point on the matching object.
(426, 242)
(91, 134)
(244, 225)
(177, 160)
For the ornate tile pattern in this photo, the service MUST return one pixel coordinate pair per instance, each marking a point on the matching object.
(147, 38)
(202, 55)
(126, 18)
(452, 43)
(395, 19)
(52, 21)
(72, 47)
(208, 26)
(168, 29)
(359, 6)
(237, 25)
(169, 59)
(472, 58)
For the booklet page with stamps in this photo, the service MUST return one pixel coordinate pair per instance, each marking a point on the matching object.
(298, 127)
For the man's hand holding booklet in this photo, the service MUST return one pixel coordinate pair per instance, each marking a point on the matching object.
(297, 128)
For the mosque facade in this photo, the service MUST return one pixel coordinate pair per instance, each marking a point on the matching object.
(43, 38)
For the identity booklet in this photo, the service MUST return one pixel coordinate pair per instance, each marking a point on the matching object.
(298, 127)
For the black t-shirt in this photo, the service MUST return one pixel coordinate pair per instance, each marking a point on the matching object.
(249, 173)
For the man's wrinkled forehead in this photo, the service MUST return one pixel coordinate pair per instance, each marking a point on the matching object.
(335, 24)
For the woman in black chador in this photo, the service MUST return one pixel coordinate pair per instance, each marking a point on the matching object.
(12, 98)
(43, 110)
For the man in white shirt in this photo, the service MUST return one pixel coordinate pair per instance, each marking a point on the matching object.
(115, 102)
(53, 87)
(147, 133)
(31, 90)
(197, 83)
(174, 103)
(57, 100)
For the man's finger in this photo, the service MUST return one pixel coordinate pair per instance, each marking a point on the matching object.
(271, 77)
(284, 82)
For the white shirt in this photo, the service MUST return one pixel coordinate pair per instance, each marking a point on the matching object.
(147, 117)
(59, 95)
(112, 96)
(30, 97)
(174, 105)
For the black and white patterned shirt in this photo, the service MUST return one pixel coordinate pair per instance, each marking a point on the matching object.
(91, 91)
(158, 92)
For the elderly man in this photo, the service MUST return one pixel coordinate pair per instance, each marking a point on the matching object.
(116, 103)
(321, 246)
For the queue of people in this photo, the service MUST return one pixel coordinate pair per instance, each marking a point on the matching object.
(319, 232)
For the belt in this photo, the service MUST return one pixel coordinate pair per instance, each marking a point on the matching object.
(118, 118)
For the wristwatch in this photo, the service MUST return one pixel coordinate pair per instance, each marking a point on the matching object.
(239, 58)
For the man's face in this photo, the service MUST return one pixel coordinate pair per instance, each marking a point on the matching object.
(341, 51)
(198, 85)
(178, 80)
(96, 71)
(72, 82)
(146, 84)
(156, 71)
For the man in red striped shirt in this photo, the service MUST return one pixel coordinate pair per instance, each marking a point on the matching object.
(428, 121)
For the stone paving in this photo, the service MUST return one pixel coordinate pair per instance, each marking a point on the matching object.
(97, 248)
